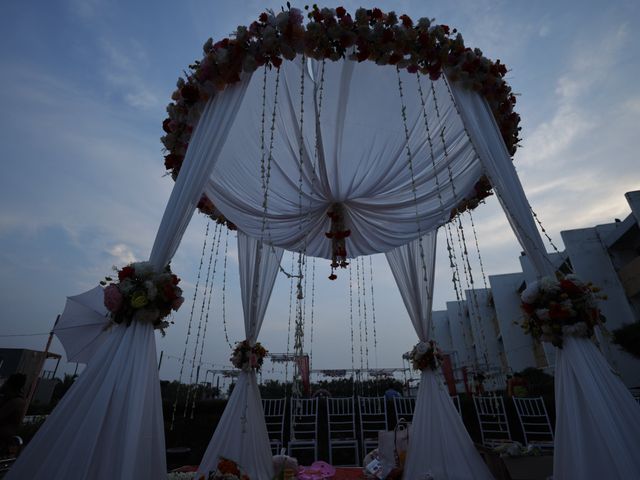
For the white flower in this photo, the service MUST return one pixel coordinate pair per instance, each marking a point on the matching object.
(422, 348)
(543, 313)
(152, 291)
(126, 286)
(149, 315)
(530, 294)
(579, 329)
(143, 269)
(549, 284)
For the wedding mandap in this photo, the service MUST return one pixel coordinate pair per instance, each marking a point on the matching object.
(333, 135)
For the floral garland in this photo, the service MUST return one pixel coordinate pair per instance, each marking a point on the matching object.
(384, 38)
(426, 355)
(247, 357)
(141, 294)
(556, 307)
(228, 470)
(337, 234)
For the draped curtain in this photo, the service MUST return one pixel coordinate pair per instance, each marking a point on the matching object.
(109, 424)
(241, 434)
(439, 443)
(597, 420)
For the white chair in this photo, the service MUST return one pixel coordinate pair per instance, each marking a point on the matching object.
(494, 426)
(404, 408)
(534, 421)
(304, 426)
(341, 422)
(373, 418)
(274, 409)
(456, 403)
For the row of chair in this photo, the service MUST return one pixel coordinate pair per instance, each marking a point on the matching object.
(353, 423)
(371, 415)
(532, 415)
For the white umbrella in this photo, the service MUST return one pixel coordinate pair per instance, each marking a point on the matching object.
(82, 327)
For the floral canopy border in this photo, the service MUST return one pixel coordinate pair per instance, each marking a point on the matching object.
(420, 47)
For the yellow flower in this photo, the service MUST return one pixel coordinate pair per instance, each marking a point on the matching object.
(139, 300)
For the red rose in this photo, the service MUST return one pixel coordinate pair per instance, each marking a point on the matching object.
(169, 292)
(126, 272)
(190, 93)
(263, 17)
(413, 68)
(445, 29)
(174, 279)
(333, 276)
(528, 308)
(172, 161)
(406, 21)
(340, 12)
(276, 61)
(166, 125)
(570, 288)
(376, 13)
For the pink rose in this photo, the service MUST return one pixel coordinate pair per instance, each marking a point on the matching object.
(112, 298)
(253, 360)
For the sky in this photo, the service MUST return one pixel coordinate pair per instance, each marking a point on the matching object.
(84, 87)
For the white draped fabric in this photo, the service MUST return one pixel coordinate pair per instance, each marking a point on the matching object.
(598, 420)
(241, 434)
(496, 161)
(439, 443)
(109, 425)
(361, 159)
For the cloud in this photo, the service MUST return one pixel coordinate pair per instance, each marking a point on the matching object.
(122, 71)
(122, 253)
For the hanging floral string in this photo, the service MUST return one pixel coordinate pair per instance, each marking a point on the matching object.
(373, 313)
(224, 290)
(353, 344)
(186, 341)
(205, 295)
(337, 234)
(206, 321)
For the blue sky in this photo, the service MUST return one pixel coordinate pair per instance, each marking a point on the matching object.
(83, 92)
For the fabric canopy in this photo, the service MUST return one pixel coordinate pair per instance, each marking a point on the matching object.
(440, 444)
(361, 159)
(241, 434)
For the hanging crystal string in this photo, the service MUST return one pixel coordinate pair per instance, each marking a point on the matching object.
(413, 178)
(298, 345)
(224, 290)
(205, 296)
(186, 342)
(360, 342)
(313, 298)
(364, 310)
(460, 230)
(373, 314)
(206, 322)
(513, 218)
(453, 263)
(353, 355)
(286, 363)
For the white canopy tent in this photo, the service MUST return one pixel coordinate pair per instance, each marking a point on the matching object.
(347, 133)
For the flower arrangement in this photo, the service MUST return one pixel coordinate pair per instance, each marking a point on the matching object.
(141, 294)
(331, 34)
(425, 355)
(516, 449)
(556, 307)
(247, 357)
(228, 470)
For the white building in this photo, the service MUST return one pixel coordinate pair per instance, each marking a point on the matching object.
(483, 331)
